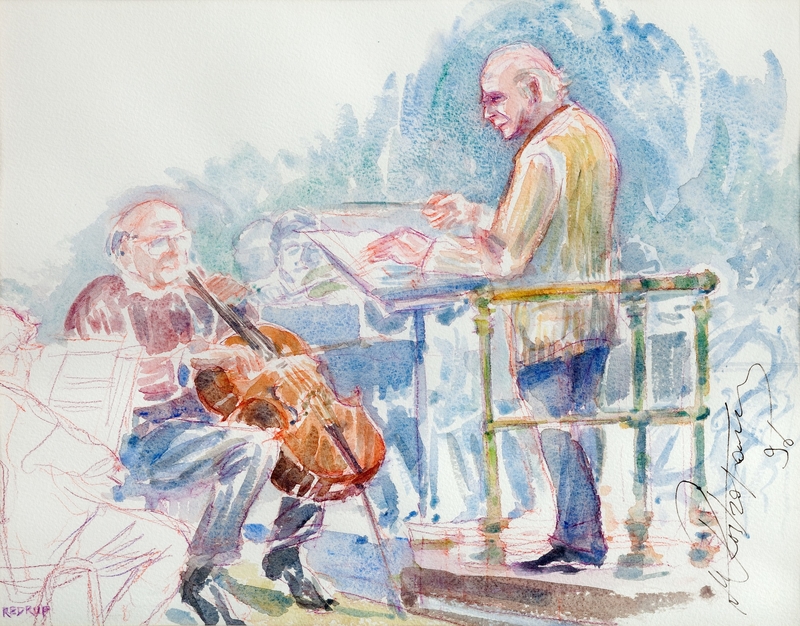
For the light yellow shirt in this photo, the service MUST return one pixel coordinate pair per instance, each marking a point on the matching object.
(553, 225)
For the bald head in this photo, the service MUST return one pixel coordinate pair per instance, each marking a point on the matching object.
(523, 56)
(150, 242)
(148, 218)
(520, 86)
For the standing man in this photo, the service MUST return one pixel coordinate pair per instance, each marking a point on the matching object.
(177, 448)
(553, 225)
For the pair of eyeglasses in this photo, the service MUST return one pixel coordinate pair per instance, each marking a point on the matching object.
(161, 245)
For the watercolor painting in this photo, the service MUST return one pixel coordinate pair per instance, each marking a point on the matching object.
(399, 312)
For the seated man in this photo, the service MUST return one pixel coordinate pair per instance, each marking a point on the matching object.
(177, 448)
(57, 521)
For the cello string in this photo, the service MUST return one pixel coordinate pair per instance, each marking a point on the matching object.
(261, 343)
(238, 324)
(393, 594)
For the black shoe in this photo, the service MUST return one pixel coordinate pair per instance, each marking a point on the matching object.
(563, 555)
(277, 561)
(195, 580)
(284, 563)
(307, 593)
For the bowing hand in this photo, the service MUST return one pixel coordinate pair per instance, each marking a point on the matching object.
(226, 288)
(240, 360)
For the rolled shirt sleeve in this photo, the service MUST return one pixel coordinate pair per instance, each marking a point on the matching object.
(553, 225)
(518, 228)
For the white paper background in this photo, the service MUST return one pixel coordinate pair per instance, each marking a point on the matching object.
(98, 97)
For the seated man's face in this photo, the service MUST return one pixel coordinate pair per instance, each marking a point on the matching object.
(157, 250)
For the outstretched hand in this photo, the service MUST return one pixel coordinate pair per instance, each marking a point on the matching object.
(445, 210)
(405, 246)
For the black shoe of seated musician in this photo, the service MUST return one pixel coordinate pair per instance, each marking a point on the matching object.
(563, 555)
(194, 581)
(285, 563)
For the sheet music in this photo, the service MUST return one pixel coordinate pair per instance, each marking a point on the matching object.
(93, 386)
(346, 251)
(396, 286)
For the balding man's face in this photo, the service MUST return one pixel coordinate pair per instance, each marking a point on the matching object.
(506, 105)
(158, 247)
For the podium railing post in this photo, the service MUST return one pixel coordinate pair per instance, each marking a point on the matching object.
(493, 522)
(639, 515)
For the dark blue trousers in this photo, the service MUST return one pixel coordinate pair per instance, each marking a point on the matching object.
(568, 386)
(179, 449)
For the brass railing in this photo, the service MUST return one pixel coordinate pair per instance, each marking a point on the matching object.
(633, 294)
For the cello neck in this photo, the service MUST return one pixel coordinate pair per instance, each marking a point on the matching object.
(239, 324)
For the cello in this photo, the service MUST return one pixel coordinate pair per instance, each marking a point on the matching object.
(330, 448)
